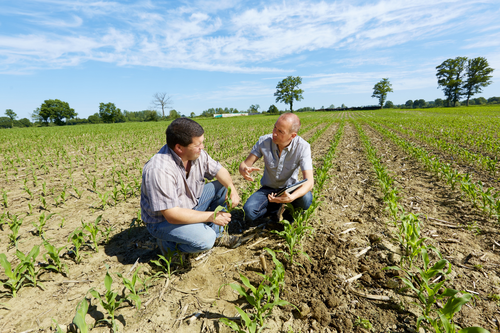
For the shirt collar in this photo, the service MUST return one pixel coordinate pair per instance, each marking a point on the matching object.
(178, 160)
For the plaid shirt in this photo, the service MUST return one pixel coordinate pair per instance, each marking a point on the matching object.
(165, 186)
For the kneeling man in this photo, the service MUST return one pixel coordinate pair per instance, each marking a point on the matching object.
(176, 204)
(283, 152)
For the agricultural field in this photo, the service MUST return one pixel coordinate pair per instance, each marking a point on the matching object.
(402, 234)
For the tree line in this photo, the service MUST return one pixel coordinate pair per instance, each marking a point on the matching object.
(458, 78)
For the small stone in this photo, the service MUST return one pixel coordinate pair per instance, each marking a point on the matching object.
(374, 239)
(304, 310)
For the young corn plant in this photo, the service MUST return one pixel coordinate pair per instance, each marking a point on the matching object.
(134, 294)
(109, 302)
(15, 278)
(168, 260)
(77, 238)
(5, 199)
(263, 299)
(94, 230)
(28, 263)
(42, 220)
(293, 234)
(14, 226)
(53, 260)
(78, 192)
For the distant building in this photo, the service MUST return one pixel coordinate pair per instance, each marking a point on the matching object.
(226, 115)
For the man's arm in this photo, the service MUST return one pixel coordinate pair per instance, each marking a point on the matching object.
(246, 167)
(179, 215)
(224, 178)
(300, 192)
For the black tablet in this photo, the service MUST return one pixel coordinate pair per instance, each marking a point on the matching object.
(291, 188)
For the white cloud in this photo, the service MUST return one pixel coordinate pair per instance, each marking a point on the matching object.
(221, 35)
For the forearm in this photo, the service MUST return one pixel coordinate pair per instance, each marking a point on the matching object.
(224, 178)
(301, 191)
(179, 215)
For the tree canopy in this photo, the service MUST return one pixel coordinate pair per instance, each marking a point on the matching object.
(11, 114)
(287, 91)
(478, 76)
(380, 91)
(55, 110)
(273, 109)
(463, 77)
(109, 113)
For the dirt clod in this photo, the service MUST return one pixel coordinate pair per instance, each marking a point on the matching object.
(320, 312)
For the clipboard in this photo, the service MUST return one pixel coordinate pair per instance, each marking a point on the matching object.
(291, 188)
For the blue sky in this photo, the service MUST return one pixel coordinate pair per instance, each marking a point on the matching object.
(230, 53)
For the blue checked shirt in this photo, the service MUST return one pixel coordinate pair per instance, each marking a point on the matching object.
(282, 171)
(165, 186)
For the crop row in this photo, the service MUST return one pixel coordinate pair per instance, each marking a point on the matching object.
(487, 199)
(425, 278)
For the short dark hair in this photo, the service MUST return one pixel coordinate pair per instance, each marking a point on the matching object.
(182, 131)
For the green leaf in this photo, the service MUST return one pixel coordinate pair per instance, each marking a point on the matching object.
(108, 281)
(81, 312)
(454, 304)
(6, 265)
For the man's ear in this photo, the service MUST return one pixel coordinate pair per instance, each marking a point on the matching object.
(178, 149)
(294, 135)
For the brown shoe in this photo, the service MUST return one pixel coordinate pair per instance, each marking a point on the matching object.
(228, 241)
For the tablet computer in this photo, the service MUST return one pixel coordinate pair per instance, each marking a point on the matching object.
(291, 188)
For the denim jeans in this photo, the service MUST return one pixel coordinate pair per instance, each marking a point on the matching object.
(259, 206)
(197, 237)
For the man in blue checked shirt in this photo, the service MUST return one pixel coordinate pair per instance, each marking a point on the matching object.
(284, 152)
(176, 204)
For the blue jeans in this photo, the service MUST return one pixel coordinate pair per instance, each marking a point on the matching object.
(259, 206)
(197, 237)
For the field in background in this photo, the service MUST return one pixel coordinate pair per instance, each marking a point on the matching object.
(378, 174)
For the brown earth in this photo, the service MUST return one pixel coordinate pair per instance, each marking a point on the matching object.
(197, 295)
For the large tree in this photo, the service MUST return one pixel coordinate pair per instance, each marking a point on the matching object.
(109, 113)
(287, 90)
(161, 100)
(450, 76)
(380, 91)
(56, 110)
(477, 77)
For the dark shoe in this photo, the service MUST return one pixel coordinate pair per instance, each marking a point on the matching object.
(228, 241)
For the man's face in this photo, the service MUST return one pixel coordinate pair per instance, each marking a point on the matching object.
(193, 150)
(282, 134)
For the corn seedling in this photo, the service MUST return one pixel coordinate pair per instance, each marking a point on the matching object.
(104, 198)
(27, 263)
(15, 278)
(263, 299)
(44, 202)
(77, 239)
(42, 220)
(28, 191)
(44, 189)
(5, 200)
(14, 225)
(79, 318)
(109, 301)
(30, 208)
(93, 229)
(293, 234)
(130, 285)
(168, 260)
(364, 323)
(78, 192)
(54, 261)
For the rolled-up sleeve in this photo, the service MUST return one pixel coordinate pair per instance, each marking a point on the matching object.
(306, 159)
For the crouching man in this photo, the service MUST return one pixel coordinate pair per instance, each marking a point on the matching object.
(176, 204)
(284, 152)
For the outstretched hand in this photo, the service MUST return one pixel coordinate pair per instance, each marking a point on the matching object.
(245, 172)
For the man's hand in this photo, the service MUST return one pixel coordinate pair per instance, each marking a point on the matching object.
(245, 171)
(235, 198)
(222, 218)
(283, 199)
